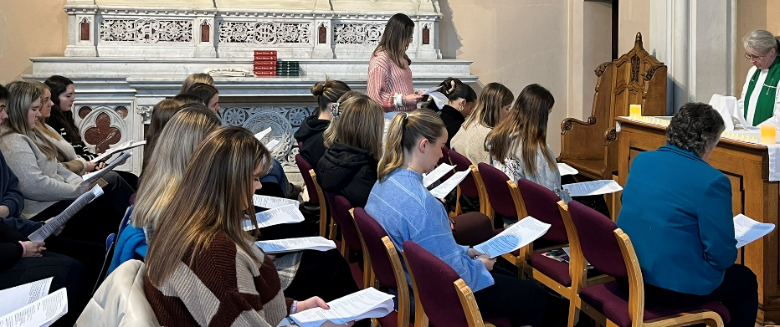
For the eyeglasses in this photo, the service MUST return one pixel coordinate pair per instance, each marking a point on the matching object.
(752, 57)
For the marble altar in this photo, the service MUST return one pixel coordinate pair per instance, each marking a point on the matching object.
(126, 55)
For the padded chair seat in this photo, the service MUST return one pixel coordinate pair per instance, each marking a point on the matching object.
(391, 320)
(558, 271)
(498, 321)
(608, 298)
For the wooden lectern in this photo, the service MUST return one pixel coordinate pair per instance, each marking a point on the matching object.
(634, 78)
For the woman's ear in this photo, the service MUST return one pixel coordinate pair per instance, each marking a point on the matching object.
(421, 144)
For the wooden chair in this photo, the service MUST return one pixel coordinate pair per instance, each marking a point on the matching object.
(440, 294)
(472, 186)
(340, 213)
(634, 78)
(384, 261)
(597, 240)
(316, 197)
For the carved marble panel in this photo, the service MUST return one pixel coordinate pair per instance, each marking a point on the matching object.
(102, 126)
(284, 120)
(358, 33)
(264, 32)
(146, 30)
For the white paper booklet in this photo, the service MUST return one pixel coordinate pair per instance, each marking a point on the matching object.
(288, 214)
(42, 312)
(92, 177)
(318, 243)
(748, 230)
(272, 145)
(119, 148)
(262, 134)
(516, 236)
(436, 174)
(59, 220)
(593, 188)
(270, 202)
(565, 169)
(450, 184)
(364, 304)
(19, 296)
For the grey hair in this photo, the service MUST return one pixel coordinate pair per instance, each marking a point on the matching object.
(696, 128)
(761, 42)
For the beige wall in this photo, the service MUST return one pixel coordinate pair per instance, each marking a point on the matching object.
(513, 42)
(29, 28)
(597, 46)
(633, 17)
(752, 15)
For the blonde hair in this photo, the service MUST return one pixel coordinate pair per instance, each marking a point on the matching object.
(487, 110)
(215, 195)
(178, 140)
(21, 96)
(41, 123)
(761, 42)
(360, 123)
(193, 79)
(402, 135)
(527, 123)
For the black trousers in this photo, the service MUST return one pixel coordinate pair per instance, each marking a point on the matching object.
(521, 301)
(738, 293)
(67, 272)
(324, 274)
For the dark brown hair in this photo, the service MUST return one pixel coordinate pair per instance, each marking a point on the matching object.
(398, 30)
(58, 85)
(487, 110)
(327, 93)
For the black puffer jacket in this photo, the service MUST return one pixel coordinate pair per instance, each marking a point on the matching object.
(310, 134)
(348, 171)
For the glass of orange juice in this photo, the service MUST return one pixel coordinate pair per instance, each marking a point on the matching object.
(768, 134)
(635, 110)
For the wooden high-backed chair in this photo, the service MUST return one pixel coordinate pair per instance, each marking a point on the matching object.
(634, 78)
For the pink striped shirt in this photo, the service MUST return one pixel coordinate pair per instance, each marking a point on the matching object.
(385, 79)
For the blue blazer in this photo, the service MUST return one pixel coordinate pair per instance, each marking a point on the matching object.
(677, 211)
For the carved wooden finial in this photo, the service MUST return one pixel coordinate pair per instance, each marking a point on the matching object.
(638, 42)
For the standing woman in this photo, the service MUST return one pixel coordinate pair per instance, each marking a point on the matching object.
(760, 103)
(61, 119)
(310, 132)
(201, 257)
(492, 107)
(389, 75)
(460, 101)
(408, 212)
(354, 142)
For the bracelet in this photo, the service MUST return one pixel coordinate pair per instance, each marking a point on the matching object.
(398, 100)
(24, 249)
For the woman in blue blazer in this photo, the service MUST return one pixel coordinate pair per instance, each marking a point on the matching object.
(677, 211)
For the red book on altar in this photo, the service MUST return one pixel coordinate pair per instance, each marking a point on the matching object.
(265, 68)
(265, 63)
(265, 73)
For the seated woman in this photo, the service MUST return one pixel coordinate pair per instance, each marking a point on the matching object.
(459, 103)
(491, 108)
(47, 186)
(161, 114)
(208, 94)
(680, 220)
(310, 132)
(354, 140)
(760, 101)
(61, 119)
(408, 211)
(196, 78)
(201, 232)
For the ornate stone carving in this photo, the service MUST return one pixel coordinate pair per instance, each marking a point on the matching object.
(145, 112)
(264, 32)
(102, 127)
(146, 30)
(357, 33)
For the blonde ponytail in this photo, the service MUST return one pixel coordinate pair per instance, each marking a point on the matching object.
(402, 135)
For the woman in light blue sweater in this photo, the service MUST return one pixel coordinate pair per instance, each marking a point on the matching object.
(406, 209)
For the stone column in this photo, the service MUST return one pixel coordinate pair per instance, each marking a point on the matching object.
(82, 39)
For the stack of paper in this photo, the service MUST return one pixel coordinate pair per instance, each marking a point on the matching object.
(119, 148)
(593, 188)
(92, 177)
(29, 305)
(516, 236)
(318, 243)
(747, 230)
(288, 214)
(366, 304)
(58, 221)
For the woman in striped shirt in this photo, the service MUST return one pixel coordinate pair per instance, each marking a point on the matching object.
(389, 75)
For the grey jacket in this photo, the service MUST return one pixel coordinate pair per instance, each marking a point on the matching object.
(42, 181)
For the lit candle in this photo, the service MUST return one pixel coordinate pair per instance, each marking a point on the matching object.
(768, 134)
(635, 110)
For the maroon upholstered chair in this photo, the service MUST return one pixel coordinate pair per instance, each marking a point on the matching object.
(505, 200)
(445, 297)
(315, 193)
(609, 250)
(339, 212)
(386, 264)
(472, 186)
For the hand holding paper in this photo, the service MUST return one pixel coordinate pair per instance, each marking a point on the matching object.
(364, 304)
(91, 178)
(516, 236)
(60, 220)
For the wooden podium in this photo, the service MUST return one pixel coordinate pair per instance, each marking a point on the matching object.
(747, 166)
